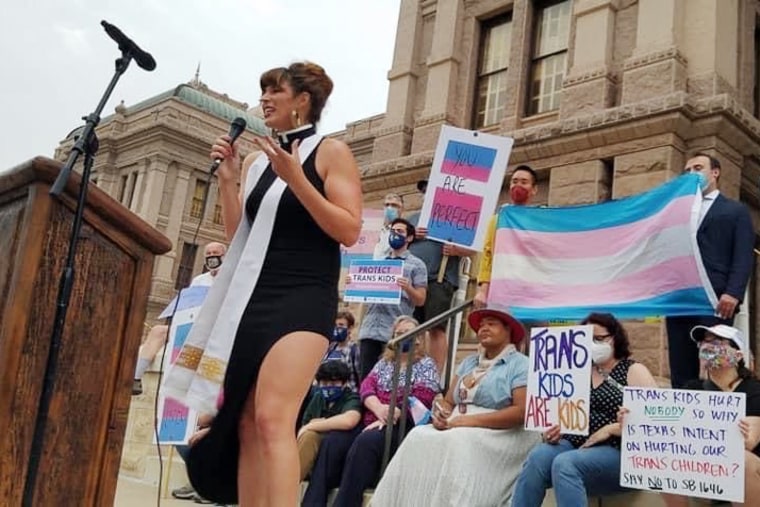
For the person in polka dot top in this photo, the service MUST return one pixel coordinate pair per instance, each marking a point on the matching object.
(578, 466)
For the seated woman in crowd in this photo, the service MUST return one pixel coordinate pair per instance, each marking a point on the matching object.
(474, 450)
(577, 466)
(720, 351)
(362, 466)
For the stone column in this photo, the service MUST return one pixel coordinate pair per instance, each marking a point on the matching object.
(582, 183)
(394, 137)
(164, 270)
(642, 170)
(138, 195)
(711, 34)
(443, 69)
(657, 66)
(589, 85)
(519, 65)
(154, 190)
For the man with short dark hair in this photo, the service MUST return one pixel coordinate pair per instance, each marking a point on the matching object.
(439, 294)
(726, 238)
(377, 323)
(344, 348)
(523, 187)
(333, 406)
(393, 208)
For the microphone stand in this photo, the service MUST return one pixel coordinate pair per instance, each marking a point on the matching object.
(87, 145)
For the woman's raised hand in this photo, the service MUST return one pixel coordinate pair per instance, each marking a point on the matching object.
(286, 165)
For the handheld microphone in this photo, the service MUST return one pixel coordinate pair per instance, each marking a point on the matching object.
(236, 128)
(126, 44)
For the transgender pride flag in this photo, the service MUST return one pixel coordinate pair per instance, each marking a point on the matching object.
(635, 257)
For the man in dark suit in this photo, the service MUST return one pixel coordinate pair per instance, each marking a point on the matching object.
(726, 238)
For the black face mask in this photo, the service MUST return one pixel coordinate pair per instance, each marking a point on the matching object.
(213, 261)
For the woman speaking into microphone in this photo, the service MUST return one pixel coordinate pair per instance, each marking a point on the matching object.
(259, 338)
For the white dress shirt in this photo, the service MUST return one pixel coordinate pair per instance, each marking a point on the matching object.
(707, 201)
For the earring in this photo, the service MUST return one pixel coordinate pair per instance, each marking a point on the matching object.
(296, 118)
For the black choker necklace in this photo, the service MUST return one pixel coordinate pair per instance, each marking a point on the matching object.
(286, 138)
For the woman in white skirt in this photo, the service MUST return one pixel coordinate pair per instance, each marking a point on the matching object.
(473, 452)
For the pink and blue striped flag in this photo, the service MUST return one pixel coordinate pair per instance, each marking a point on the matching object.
(635, 257)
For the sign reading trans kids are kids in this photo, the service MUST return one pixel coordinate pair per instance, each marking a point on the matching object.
(463, 186)
(559, 379)
(683, 442)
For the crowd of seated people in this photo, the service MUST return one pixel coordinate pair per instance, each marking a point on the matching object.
(469, 447)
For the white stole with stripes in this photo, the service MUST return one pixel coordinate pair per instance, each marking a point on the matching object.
(197, 376)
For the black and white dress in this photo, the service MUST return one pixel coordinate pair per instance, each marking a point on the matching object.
(280, 276)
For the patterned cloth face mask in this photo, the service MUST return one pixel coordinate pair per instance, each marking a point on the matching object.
(718, 355)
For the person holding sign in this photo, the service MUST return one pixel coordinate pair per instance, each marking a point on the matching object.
(574, 465)
(264, 327)
(363, 461)
(393, 208)
(720, 349)
(476, 436)
(523, 187)
(379, 318)
(442, 263)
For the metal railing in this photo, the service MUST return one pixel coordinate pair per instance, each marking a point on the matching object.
(396, 343)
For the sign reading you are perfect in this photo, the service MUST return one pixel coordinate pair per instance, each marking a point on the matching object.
(683, 442)
(464, 184)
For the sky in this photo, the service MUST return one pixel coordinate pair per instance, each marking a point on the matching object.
(57, 60)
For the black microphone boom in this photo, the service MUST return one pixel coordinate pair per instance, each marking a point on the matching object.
(126, 44)
(236, 128)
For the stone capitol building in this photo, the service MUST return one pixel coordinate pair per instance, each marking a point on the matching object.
(604, 98)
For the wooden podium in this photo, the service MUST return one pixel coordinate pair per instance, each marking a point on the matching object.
(91, 395)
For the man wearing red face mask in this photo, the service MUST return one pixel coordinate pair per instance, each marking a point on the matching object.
(523, 186)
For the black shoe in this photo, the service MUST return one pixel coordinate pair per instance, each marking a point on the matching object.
(137, 387)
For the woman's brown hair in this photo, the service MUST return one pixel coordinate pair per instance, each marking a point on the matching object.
(303, 77)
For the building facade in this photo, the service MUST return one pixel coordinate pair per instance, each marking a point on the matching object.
(153, 158)
(605, 98)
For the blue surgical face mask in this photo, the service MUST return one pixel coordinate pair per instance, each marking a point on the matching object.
(339, 334)
(396, 240)
(331, 393)
(703, 181)
(391, 213)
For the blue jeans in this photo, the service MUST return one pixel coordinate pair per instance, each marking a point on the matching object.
(573, 473)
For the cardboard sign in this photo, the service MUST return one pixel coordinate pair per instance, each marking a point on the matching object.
(683, 442)
(372, 223)
(464, 184)
(176, 422)
(559, 379)
(189, 297)
(374, 281)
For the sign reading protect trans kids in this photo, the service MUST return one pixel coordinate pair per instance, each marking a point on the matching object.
(373, 281)
(464, 184)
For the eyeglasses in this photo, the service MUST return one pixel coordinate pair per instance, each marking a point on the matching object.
(601, 337)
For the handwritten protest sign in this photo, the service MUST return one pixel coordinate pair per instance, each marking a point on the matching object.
(372, 223)
(176, 422)
(374, 281)
(559, 379)
(683, 442)
(464, 184)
